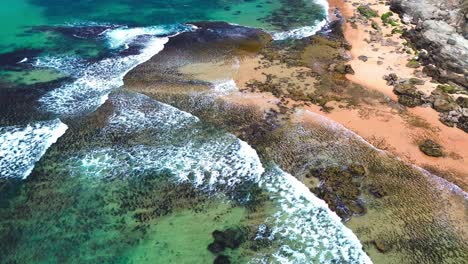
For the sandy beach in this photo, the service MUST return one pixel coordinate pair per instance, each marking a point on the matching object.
(397, 131)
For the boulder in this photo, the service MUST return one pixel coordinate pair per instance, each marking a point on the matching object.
(431, 148)
(463, 123)
(391, 79)
(408, 95)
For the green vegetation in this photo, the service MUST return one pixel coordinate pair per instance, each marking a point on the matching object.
(397, 30)
(387, 20)
(367, 11)
(446, 88)
(375, 25)
(413, 64)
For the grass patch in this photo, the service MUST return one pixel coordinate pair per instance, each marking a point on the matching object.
(388, 20)
(367, 12)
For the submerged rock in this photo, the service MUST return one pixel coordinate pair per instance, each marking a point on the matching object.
(231, 238)
(222, 259)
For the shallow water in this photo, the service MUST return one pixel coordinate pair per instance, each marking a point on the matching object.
(152, 183)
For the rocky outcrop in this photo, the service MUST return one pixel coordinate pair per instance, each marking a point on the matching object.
(408, 95)
(440, 30)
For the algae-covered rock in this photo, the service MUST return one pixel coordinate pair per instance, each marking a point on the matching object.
(344, 69)
(416, 81)
(357, 169)
(446, 88)
(408, 95)
(431, 148)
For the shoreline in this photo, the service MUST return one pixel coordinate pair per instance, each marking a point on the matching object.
(264, 108)
(370, 76)
(398, 132)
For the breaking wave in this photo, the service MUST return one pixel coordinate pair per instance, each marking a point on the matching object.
(22, 146)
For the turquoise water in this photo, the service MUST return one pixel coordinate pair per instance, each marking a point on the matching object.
(20, 17)
(92, 174)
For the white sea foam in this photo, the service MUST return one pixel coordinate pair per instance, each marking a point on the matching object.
(136, 112)
(309, 231)
(95, 81)
(22, 146)
(299, 33)
(223, 161)
(124, 35)
(225, 86)
(305, 31)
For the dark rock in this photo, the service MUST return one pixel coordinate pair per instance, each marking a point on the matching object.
(462, 102)
(10, 60)
(222, 259)
(363, 58)
(463, 123)
(432, 71)
(451, 42)
(391, 79)
(431, 148)
(231, 237)
(408, 95)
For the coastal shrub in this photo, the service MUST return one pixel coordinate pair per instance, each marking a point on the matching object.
(387, 20)
(413, 64)
(367, 12)
(375, 25)
(397, 30)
